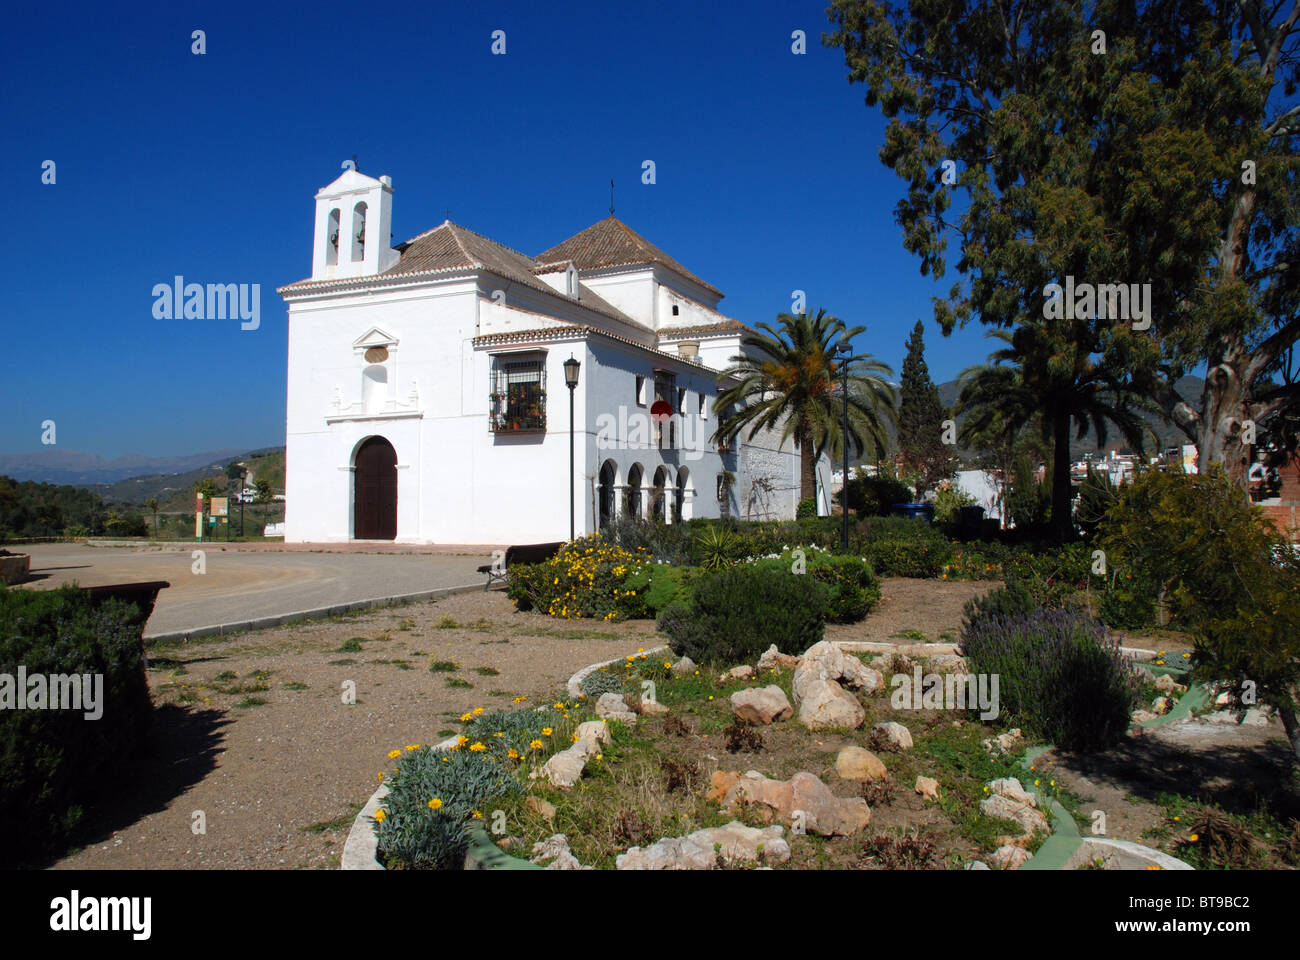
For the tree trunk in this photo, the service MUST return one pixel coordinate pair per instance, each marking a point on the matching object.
(807, 463)
(1062, 521)
(1220, 435)
(1292, 728)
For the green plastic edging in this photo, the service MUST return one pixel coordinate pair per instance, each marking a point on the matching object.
(483, 854)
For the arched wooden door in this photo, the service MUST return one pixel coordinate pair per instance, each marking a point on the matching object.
(374, 506)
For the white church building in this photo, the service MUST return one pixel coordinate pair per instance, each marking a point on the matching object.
(427, 398)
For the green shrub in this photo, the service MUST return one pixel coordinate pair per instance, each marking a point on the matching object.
(909, 556)
(1052, 575)
(739, 612)
(807, 508)
(948, 501)
(54, 762)
(412, 835)
(600, 682)
(664, 542)
(650, 588)
(716, 546)
(1057, 676)
(1127, 603)
(582, 581)
(852, 588)
(876, 496)
(1222, 571)
(1013, 600)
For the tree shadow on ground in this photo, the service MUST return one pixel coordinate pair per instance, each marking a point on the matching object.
(180, 751)
(1239, 779)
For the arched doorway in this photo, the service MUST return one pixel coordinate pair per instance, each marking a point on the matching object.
(374, 491)
(681, 509)
(658, 498)
(608, 476)
(632, 495)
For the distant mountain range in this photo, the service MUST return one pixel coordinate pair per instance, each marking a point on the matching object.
(79, 468)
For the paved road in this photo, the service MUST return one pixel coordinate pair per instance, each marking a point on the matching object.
(241, 585)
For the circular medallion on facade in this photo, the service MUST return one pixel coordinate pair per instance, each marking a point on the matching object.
(376, 355)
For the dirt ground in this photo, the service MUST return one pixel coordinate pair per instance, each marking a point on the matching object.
(252, 731)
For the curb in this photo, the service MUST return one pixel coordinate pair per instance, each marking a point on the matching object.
(316, 613)
(574, 687)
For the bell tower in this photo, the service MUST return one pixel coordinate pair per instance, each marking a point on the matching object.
(354, 217)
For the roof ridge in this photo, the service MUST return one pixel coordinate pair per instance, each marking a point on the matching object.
(475, 261)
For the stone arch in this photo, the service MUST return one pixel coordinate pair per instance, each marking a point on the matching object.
(606, 497)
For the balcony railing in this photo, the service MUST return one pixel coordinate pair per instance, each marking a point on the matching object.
(523, 423)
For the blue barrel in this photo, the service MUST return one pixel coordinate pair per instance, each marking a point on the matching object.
(915, 511)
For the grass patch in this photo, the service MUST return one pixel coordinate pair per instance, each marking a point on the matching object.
(352, 645)
(443, 666)
(342, 663)
(342, 822)
(458, 684)
(249, 702)
(487, 671)
(295, 685)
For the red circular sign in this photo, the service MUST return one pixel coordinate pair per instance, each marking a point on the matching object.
(661, 410)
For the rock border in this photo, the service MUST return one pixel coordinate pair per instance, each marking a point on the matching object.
(574, 686)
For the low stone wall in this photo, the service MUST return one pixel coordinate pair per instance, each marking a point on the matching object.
(15, 568)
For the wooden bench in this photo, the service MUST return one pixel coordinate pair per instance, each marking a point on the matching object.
(520, 553)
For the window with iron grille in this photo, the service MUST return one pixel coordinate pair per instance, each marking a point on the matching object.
(665, 390)
(518, 398)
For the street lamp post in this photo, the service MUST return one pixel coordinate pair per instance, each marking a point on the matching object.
(571, 380)
(844, 351)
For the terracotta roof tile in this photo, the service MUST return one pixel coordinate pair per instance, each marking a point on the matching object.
(610, 243)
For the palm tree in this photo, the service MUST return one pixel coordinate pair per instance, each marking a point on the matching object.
(789, 377)
(1057, 382)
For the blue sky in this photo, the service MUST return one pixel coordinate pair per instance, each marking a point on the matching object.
(205, 166)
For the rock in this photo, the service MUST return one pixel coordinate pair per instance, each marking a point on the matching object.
(772, 657)
(1220, 716)
(738, 673)
(854, 763)
(611, 706)
(1008, 840)
(595, 730)
(542, 808)
(731, 843)
(928, 787)
(948, 663)
(801, 802)
(824, 813)
(1223, 699)
(1255, 717)
(824, 704)
(1142, 716)
(1162, 705)
(761, 704)
(564, 769)
(1011, 788)
(720, 784)
(978, 865)
(683, 667)
(650, 708)
(895, 734)
(556, 849)
(1167, 684)
(1009, 858)
(1004, 743)
(1004, 808)
(829, 662)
